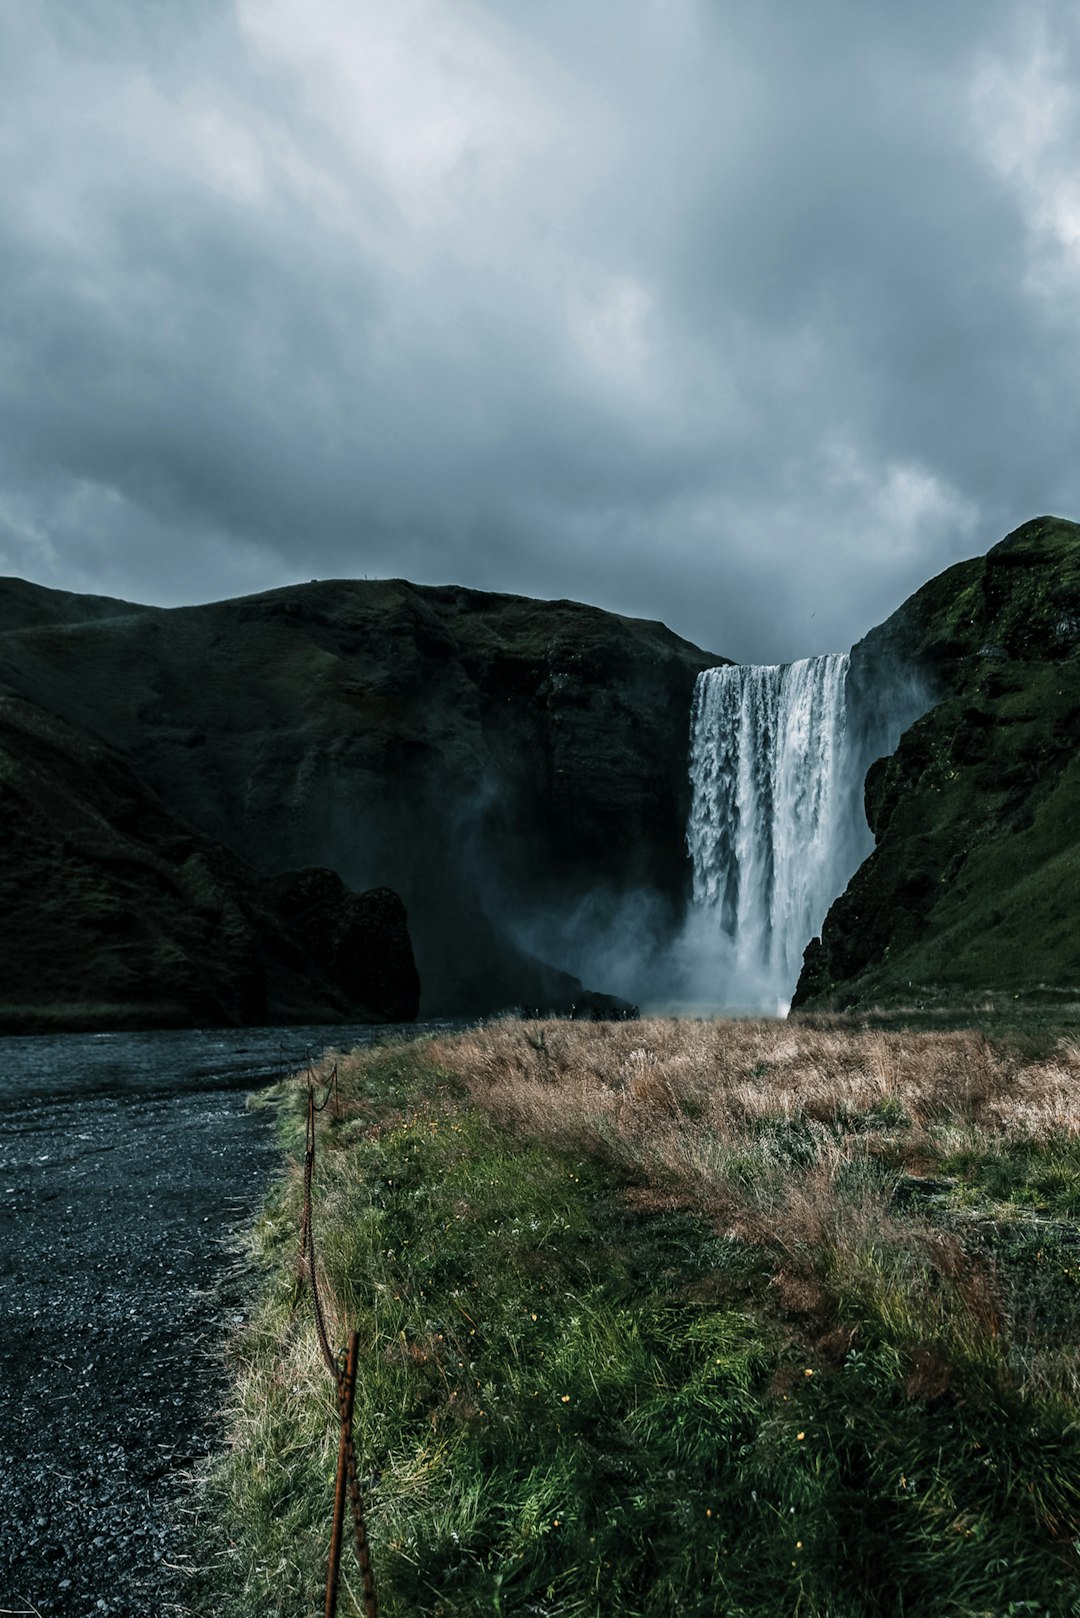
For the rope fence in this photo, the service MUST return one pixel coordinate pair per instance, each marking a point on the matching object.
(342, 1367)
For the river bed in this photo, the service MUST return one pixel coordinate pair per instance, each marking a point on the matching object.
(128, 1164)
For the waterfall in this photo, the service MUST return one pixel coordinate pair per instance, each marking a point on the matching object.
(776, 826)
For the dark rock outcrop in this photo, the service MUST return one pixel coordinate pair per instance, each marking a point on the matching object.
(974, 883)
(494, 760)
(359, 941)
(117, 914)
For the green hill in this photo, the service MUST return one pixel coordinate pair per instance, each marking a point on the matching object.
(973, 888)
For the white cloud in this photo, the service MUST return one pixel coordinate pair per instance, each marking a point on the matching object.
(429, 103)
(1026, 113)
(898, 507)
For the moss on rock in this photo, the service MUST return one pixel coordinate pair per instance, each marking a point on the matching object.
(974, 884)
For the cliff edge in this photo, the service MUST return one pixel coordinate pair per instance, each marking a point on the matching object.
(973, 887)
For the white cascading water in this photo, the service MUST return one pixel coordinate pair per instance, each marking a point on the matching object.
(776, 828)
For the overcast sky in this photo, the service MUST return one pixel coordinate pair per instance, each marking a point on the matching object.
(749, 315)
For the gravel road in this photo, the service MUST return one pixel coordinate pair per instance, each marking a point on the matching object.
(127, 1164)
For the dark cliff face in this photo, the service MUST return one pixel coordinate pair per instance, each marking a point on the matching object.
(974, 884)
(117, 914)
(490, 758)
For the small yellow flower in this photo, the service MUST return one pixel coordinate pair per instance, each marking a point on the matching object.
(798, 1544)
(534, 1317)
(800, 1435)
(808, 1372)
(566, 1398)
(708, 1511)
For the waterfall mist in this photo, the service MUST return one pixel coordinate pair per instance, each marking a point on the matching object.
(776, 829)
(776, 826)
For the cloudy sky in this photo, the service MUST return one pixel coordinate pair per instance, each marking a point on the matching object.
(749, 315)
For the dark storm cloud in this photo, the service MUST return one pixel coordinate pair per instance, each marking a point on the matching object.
(747, 317)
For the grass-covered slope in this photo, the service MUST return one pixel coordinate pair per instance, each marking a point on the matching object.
(676, 1318)
(974, 885)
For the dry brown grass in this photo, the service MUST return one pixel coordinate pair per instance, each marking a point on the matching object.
(817, 1144)
(675, 1092)
(794, 1137)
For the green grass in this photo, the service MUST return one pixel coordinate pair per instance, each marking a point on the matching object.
(580, 1396)
(1043, 1178)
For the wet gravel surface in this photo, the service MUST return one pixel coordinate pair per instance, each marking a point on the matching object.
(127, 1164)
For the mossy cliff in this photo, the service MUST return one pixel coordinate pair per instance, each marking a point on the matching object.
(974, 884)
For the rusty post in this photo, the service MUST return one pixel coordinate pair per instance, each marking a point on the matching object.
(346, 1394)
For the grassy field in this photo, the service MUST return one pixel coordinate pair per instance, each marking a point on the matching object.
(658, 1318)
